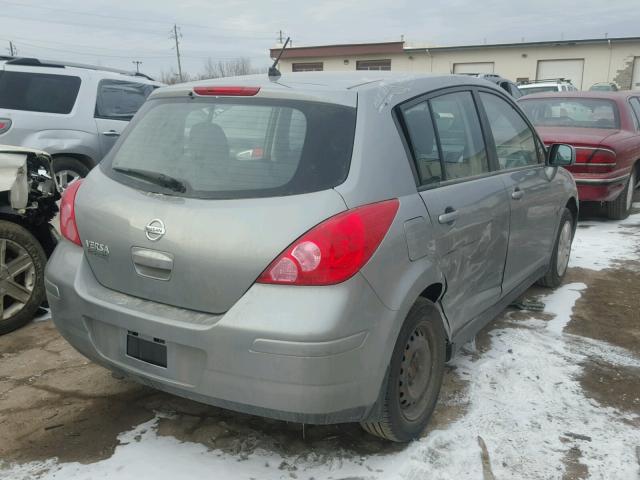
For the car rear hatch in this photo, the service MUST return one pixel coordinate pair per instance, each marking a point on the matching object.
(203, 192)
(28, 95)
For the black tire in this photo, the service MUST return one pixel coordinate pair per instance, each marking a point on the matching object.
(399, 420)
(22, 237)
(553, 278)
(619, 208)
(73, 166)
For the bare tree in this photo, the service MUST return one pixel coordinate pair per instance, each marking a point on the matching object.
(171, 77)
(227, 68)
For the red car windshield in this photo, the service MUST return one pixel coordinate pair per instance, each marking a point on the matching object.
(572, 112)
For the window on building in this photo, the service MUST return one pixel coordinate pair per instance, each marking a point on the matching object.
(373, 64)
(307, 67)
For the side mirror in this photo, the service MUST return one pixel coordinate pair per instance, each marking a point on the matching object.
(561, 155)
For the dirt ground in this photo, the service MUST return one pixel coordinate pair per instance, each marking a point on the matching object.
(55, 403)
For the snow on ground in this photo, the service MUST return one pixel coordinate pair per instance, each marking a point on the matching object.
(526, 406)
(601, 244)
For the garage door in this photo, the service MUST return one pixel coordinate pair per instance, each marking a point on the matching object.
(635, 79)
(569, 69)
(473, 67)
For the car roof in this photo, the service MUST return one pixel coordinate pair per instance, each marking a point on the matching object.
(331, 85)
(54, 66)
(592, 94)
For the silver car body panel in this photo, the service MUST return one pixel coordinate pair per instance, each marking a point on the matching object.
(311, 354)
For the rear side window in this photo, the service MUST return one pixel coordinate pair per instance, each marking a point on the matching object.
(458, 127)
(38, 92)
(238, 148)
(422, 136)
(120, 100)
(635, 106)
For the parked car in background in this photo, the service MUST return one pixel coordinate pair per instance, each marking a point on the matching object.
(605, 129)
(74, 112)
(549, 85)
(507, 85)
(316, 282)
(28, 196)
(604, 87)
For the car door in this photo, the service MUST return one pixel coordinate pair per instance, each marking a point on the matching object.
(533, 201)
(117, 102)
(468, 207)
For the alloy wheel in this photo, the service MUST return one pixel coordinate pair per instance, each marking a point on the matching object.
(17, 278)
(66, 177)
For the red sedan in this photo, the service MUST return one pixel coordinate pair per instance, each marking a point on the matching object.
(605, 129)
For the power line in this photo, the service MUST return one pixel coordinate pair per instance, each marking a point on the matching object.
(137, 20)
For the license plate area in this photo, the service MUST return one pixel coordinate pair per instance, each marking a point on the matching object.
(153, 351)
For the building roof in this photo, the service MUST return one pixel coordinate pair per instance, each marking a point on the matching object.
(381, 48)
(340, 50)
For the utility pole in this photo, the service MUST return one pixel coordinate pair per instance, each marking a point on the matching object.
(13, 51)
(280, 37)
(176, 35)
(137, 63)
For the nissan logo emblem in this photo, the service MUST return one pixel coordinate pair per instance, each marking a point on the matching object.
(154, 230)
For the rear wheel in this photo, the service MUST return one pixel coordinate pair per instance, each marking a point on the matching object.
(22, 262)
(415, 376)
(67, 170)
(619, 208)
(561, 252)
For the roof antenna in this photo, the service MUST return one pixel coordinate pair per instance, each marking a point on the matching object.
(273, 69)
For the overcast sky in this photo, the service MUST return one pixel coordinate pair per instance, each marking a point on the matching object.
(114, 32)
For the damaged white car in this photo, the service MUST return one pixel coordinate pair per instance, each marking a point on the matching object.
(28, 203)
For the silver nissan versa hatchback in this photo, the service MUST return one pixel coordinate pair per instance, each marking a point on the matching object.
(311, 248)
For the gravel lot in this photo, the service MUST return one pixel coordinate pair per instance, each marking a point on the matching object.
(554, 394)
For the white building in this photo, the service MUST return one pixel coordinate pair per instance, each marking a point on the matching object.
(585, 62)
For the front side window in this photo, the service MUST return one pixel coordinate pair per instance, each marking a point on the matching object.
(235, 148)
(460, 135)
(38, 92)
(515, 142)
(120, 100)
(422, 137)
(572, 112)
(373, 64)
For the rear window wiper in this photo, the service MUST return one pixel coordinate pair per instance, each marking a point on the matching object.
(155, 177)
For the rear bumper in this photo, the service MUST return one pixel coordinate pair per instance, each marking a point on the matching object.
(600, 189)
(313, 355)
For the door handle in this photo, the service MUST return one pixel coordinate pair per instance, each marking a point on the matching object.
(517, 194)
(111, 133)
(449, 216)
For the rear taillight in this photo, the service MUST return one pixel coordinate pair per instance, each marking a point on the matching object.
(595, 156)
(594, 160)
(227, 91)
(5, 124)
(68, 227)
(334, 250)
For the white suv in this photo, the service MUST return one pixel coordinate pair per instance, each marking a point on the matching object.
(549, 85)
(73, 112)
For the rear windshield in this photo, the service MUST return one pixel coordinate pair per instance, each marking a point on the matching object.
(572, 112)
(38, 92)
(235, 148)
